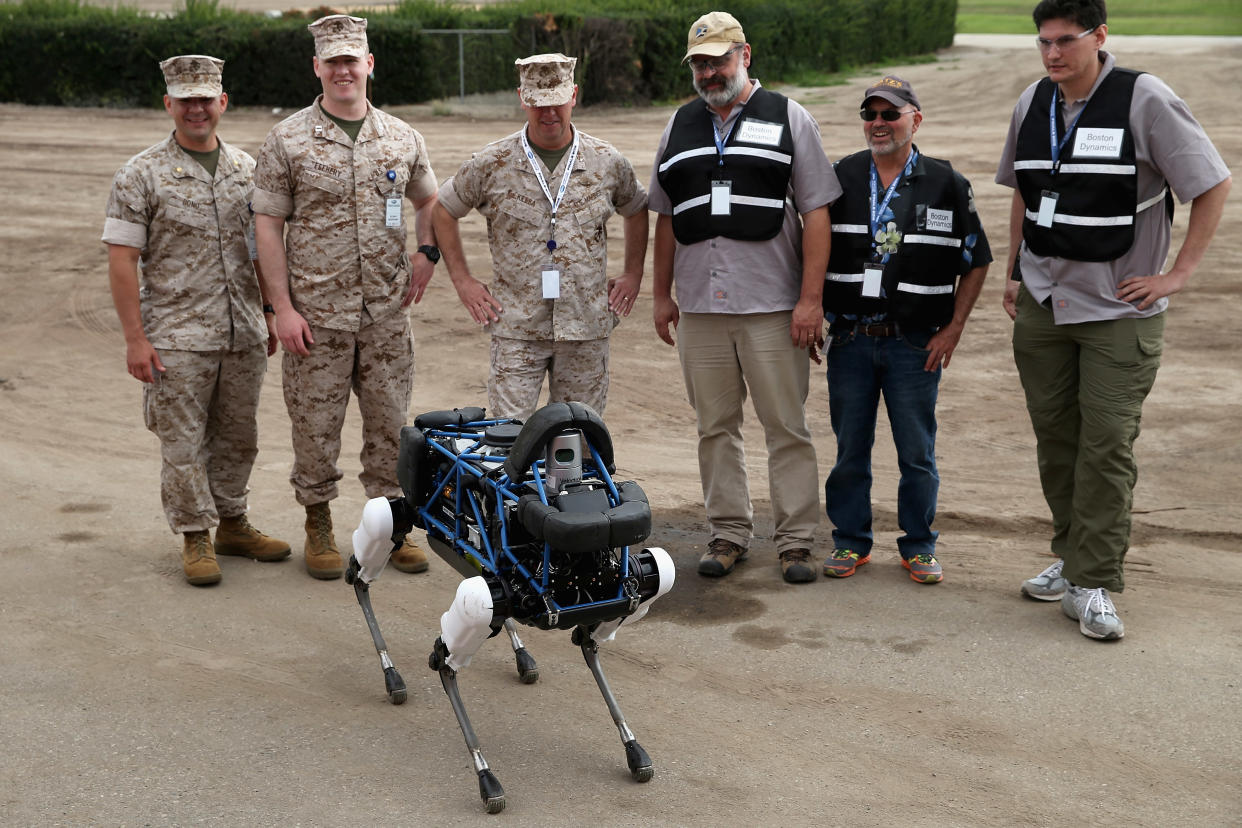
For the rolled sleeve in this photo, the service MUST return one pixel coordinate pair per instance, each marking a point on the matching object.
(271, 204)
(124, 233)
(453, 203)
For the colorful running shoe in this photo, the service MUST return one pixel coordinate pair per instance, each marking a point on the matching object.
(843, 563)
(924, 568)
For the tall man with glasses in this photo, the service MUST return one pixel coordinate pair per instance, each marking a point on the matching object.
(335, 175)
(909, 256)
(180, 262)
(741, 187)
(547, 192)
(1095, 154)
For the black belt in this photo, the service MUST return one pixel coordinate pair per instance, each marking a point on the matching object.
(877, 329)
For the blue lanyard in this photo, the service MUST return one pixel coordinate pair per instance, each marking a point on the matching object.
(878, 209)
(720, 142)
(1057, 146)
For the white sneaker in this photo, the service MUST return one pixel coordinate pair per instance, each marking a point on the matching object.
(1097, 617)
(1047, 585)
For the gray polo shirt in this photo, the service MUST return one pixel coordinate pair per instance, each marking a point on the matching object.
(723, 275)
(1169, 146)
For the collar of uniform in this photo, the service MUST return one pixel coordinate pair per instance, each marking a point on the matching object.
(187, 167)
(579, 162)
(371, 126)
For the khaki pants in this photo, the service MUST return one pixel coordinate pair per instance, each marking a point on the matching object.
(723, 356)
(377, 364)
(577, 371)
(1085, 385)
(204, 410)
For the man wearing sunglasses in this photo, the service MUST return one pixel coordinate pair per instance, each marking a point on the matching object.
(194, 326)
(909, 256)
(1095, 154)
(741, 187)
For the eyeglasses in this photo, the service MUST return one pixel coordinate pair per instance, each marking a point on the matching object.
(1062, 43)
(701, 65)
(889, 115)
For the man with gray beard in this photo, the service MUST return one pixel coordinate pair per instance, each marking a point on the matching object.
(908, 260)
(741, 187)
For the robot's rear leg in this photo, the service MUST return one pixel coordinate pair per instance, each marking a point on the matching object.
(490, 792)
(637, 759)
(528, 670)
(394, 685)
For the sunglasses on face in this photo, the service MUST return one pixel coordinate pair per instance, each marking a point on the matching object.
(1062, 43)
(889, 115)
(700, 65)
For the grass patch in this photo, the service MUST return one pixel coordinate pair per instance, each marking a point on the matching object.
(1134, 17)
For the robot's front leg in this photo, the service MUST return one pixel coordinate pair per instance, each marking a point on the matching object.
(374, 541)
(490, 791)
(637, 759)
(528, 670)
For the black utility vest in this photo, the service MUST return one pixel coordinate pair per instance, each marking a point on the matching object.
(919, 278)
(1097, 190)
(757, 162)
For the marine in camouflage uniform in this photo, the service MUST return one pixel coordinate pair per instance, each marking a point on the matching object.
(536, 330)
(335, 175)
(193, 321)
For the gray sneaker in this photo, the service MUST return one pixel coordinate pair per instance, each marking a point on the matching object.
(1047, 585)
(1097, 617)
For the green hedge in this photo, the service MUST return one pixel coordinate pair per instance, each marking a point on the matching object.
(59, 52)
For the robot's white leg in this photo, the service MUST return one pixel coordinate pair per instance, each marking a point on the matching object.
(373, 544)
(668, 574)
(528, 671)
(467, 623)
(639, 762)
(490, 791)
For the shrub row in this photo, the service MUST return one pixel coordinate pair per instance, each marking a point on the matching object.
(629, 50)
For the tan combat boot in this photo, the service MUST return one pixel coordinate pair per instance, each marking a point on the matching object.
(235, 536)
(409, 558)
(198, 559)
(323, 559)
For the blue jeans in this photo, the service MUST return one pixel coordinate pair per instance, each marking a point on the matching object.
(860, 369)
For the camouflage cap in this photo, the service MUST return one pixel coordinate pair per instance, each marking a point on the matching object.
(713, 34)
(893, 89)
(193, 76)
(546, 80)
(340, 34)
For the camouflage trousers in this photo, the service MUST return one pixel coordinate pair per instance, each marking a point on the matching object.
(377, 364)
(576, 370)
(203, 408)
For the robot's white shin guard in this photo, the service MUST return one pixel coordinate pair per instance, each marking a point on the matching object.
(468, 622)
(668, 573)
(373, 539)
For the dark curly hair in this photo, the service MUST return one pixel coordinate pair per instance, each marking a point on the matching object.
(1086, 13)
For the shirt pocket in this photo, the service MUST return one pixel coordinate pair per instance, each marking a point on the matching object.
(400, 180)
(592, 219)
(326, 183)
(197, 218)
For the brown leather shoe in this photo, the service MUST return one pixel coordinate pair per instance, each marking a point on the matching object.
(798, 567)
(235, 536)
(323, 559)
(720, 557)
(409, 558)
(198, 559)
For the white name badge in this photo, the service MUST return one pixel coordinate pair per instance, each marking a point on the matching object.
(1098, 142)
(760, 132)
(940, 220)
(721, 204)
(392, 212)
(551, 283)
(873, 275)
(1047, 208)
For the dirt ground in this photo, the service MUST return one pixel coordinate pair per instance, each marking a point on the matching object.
(129, 697)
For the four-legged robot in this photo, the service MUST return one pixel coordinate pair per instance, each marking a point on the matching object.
(529, 514)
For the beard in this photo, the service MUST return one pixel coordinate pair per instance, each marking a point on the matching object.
(894, 144)
(722, 96)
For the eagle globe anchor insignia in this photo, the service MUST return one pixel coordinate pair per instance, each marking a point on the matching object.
(530, 516)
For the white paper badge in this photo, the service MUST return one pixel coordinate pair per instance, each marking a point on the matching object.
(872, 276)
(1047, 209)
(721, 204)
(1098, 142)
(760, 132)
(940, 220)
(551, 283)
(392, 212)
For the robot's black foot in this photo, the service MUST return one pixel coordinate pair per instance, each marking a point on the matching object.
(638, 760)
(394, 685)
(528, 670)
(491, 793)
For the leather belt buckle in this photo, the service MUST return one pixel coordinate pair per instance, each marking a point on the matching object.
(879, 329)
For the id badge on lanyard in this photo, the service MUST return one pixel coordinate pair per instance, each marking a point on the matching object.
(392, 205)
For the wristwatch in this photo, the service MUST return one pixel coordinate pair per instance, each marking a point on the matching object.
(430, 251)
